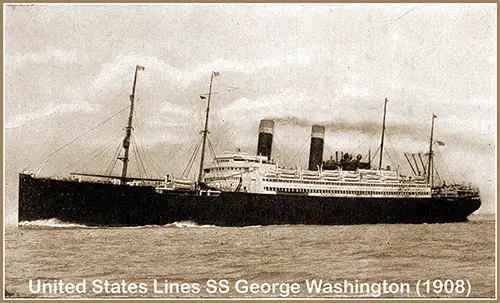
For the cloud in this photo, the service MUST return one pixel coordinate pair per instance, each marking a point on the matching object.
(253, 67)
(169, 108)
(112, 73)
(22, 119)
(172, 116)
(49, 56)
(303, 107)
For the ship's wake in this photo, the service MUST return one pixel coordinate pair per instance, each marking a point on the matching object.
(186, 224)
(56, 223)
(177, 224)
(51, 223)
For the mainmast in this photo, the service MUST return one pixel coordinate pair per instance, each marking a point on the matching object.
(430, 177)
(205, 130)
(128, 129)
(382, 140)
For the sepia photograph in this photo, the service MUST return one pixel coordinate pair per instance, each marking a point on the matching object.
(231, 150)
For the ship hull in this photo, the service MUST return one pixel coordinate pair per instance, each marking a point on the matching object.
(97, 204)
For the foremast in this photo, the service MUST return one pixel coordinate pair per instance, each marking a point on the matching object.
(128, 129)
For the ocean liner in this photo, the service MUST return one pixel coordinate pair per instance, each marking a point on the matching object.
(241, 189)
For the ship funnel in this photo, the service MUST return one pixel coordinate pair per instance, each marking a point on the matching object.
(265, 143)
(317, 143)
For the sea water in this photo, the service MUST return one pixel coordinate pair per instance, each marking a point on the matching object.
(50, 258)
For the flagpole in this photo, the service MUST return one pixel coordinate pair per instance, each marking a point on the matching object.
(205, 131)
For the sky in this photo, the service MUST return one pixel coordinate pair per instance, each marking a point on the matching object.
(69, 68)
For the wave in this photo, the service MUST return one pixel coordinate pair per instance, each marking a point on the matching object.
(56, 223)
(177, 224)
(251, 226)
(186, 224)
(53, 222)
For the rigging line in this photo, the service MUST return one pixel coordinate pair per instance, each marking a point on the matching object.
(216, 144)
(191, 160)
(163, 159)
(142, 159)
(155, 166)
(284, 150)
(216, 138)
(138, 120)
(108, 169)
(140, 156)
(172, 153)
(369, 137)
(281, 146)
(136, 157)
(211, 148)
(186, 135)
(220, 177)
(442, 164)
(73, 140)
(137, 163)
(231, 88)
(112, 162)
(389, 156)
(115, 159)
(216, 164)
(404, 14)
(325, 146)
(175, 152)
(447, 169)
(394, 162)
(398, 158)
(298, 153)
(217, 172)
(94, 155)
(375, 154)
(91, 161)
(148, 159)
(81, 159)
(188, 168)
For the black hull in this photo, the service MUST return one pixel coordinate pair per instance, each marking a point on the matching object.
(97, 204)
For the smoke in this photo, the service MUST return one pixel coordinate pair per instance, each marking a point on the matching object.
(342, 125)
(396, 131)
(289, 120)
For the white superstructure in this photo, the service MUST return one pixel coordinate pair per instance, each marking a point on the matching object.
(255, 174)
